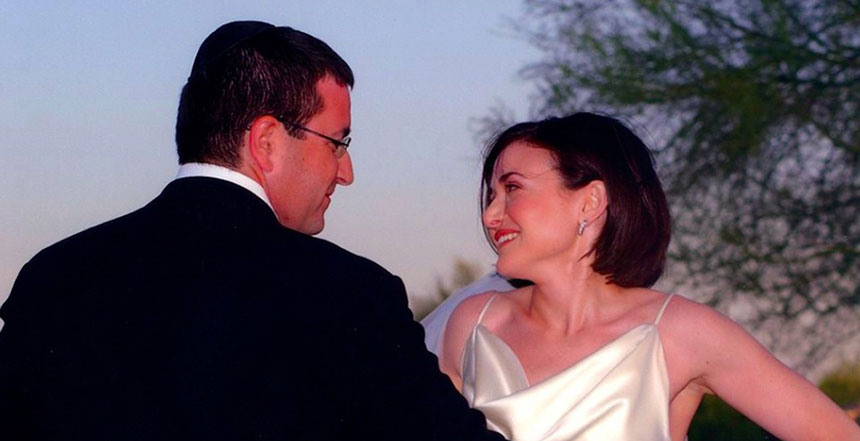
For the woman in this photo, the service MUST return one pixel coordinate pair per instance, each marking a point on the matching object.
(588, 351)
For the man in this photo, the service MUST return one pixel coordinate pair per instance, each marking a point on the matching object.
(211, 313)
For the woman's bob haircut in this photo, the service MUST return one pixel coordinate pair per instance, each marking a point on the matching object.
(631, 248)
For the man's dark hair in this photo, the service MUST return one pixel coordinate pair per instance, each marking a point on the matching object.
(631, 248)
(265, 71)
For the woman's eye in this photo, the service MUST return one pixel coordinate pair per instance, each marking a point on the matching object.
(511, 187)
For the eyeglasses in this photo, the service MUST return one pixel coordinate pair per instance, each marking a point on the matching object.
(340, 145)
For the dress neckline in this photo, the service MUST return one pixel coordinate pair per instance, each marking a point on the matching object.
(591, 355)
(599, 350)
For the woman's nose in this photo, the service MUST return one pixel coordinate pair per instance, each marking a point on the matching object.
(492, 216)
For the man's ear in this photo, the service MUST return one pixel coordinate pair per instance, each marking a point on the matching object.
(260, 141)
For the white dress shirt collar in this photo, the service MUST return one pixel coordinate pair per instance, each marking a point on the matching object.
(193, 169)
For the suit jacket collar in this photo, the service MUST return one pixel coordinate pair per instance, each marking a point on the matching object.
(217, 200)
(192, 169)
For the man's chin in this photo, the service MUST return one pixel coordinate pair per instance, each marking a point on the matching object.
(316, 231)
(311, 228)
(314, 227)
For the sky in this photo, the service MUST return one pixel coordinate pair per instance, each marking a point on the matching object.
(89, 90)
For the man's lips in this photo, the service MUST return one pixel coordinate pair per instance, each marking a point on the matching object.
(330, 192)
(326, 201)
(504, 236)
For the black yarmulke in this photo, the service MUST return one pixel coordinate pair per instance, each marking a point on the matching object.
(222, 40)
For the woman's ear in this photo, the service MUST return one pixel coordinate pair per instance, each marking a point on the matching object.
(261, 142)
(595, 202)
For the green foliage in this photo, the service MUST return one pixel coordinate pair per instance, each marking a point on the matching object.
(843, 385)
(717, 421)
(752, 108)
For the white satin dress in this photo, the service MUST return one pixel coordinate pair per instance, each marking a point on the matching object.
(620, 392)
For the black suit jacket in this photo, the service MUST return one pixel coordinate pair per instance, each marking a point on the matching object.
(200, 317)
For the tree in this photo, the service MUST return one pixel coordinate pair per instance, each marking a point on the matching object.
(752, 109)
(465, 272)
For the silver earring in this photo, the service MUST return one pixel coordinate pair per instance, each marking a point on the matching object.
(581, 229)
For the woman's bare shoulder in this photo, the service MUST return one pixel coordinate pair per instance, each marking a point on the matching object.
(473, 305)
(467, 312)
(695, 320)
(705, 338)
(457, 330)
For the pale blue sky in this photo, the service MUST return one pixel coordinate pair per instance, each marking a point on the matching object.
(89, 92)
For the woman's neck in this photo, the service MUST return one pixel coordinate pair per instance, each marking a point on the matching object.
(571, 298)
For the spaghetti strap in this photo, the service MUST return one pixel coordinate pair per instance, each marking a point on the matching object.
(486, 307)
(472, 338)
(663, 309)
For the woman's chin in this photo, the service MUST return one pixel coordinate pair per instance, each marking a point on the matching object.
(510, 270)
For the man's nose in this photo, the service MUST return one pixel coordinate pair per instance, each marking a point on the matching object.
(344, 170)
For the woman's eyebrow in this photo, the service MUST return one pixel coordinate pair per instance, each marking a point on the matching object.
(505, 176)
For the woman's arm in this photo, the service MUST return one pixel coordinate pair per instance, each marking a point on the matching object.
(458, 329)
(742, 372)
